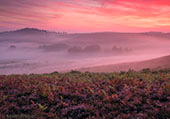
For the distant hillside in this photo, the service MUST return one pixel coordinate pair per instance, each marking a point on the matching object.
(31, 31)
(30, 35)
(158, 63)
(104, 38)
(89, 36)
(110, 39)
(107, 40)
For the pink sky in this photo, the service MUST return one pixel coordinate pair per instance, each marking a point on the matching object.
(86, 15)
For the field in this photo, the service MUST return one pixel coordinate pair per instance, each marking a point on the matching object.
(153, 64)
(75, 95)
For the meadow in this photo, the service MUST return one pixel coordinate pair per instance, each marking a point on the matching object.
(75, 95)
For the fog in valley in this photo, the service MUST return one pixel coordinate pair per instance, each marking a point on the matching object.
(39, 51)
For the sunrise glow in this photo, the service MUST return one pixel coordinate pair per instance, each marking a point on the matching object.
(86, 15)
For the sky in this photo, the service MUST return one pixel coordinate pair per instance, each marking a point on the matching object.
(86, 15)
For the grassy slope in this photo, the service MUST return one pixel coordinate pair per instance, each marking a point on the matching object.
(159, 63)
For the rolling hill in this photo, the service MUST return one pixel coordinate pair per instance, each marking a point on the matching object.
(158, 63)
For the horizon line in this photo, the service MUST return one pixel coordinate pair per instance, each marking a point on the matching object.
(79, 32)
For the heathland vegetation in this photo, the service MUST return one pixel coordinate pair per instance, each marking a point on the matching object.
(75, 95)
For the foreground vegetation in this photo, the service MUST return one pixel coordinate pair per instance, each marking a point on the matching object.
(75, 95)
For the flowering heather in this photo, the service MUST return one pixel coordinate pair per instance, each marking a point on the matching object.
(76, 95)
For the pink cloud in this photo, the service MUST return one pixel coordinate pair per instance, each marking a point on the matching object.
(87, 15)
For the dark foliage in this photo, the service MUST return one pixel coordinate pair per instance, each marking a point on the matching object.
(76, 95)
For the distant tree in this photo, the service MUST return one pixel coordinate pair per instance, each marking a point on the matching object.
(12, 47)
(117, 49)
(54, 47)
(92, 48)
(75, 49)
(120, 49)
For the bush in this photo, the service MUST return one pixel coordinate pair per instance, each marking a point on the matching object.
(75, 49)
(92, 48)
(125, 95)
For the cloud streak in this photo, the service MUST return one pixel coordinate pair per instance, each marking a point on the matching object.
(86, 15)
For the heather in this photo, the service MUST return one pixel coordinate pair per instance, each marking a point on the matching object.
(75, 95)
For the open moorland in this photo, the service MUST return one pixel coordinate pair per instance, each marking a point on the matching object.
(75, 95)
